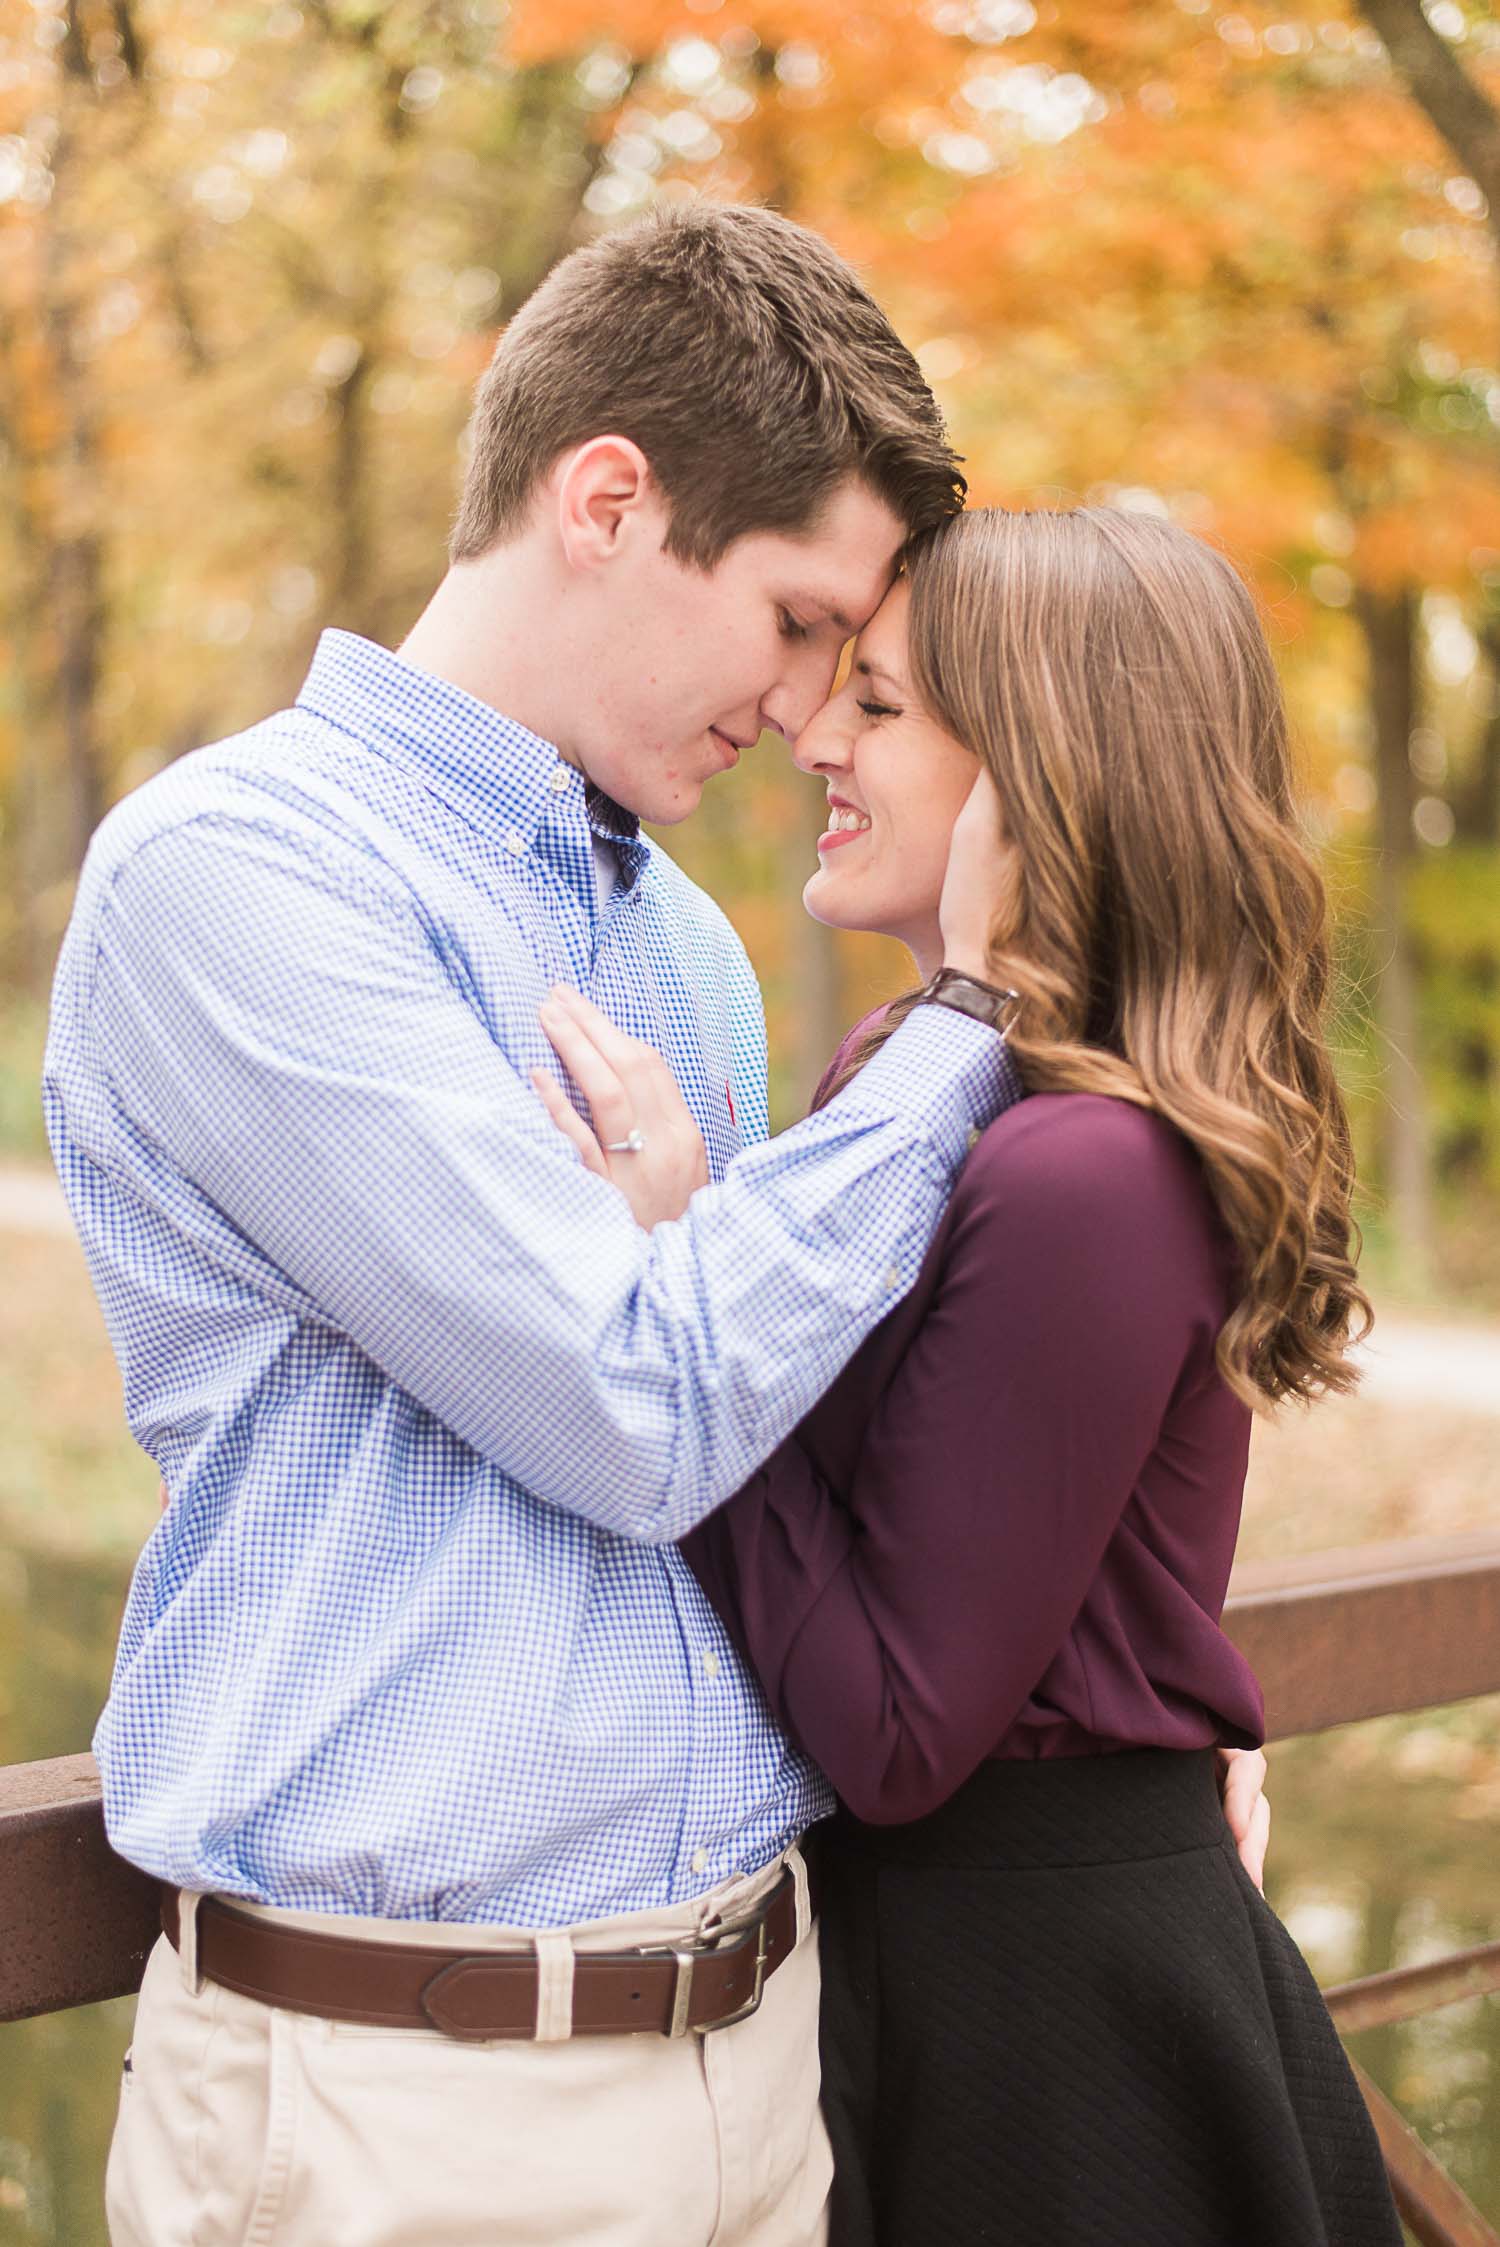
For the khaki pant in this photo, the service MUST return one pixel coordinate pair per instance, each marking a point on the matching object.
(244, 2126)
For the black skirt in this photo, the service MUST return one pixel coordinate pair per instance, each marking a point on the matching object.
(1057, 2013)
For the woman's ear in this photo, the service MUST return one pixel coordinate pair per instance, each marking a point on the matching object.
(604, 489)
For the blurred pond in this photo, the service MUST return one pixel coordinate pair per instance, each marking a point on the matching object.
(1384, 1853)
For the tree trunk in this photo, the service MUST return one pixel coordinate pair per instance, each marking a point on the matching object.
(77, 611)
(73, 617)
(1388, 622)
(1463, 114)
(1451, 98)
(349, 595)
(1454, 102)
(1478, 802)
(27, 855)
(75, 602)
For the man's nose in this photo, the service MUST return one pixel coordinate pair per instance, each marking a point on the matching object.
(794, 701)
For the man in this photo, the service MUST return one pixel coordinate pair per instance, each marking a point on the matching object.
(411, 1674)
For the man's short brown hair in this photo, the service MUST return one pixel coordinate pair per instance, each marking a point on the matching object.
(740, 353)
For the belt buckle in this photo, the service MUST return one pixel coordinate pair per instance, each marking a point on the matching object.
(752, 2002)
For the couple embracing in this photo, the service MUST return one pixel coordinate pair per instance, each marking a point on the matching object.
(677, 1697)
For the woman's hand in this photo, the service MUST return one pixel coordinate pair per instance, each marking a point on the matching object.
(979, 881)
(630, 1091)
(1242, 1787)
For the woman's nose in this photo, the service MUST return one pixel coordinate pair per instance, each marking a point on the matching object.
(824, 742)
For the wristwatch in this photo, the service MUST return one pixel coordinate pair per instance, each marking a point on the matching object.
(986, 1002)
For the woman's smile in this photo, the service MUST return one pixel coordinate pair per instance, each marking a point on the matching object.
(846, 823)
(912, 778)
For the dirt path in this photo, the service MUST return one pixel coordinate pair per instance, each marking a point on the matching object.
(1407, 1362)
(31, 1202)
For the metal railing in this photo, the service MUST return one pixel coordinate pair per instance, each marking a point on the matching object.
(1377, 1631)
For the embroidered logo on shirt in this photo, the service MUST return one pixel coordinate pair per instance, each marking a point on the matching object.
(729, 1097)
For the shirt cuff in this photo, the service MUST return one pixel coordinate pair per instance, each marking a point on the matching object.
(944, 1072)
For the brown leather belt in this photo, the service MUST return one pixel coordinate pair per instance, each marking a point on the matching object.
(476, 1995)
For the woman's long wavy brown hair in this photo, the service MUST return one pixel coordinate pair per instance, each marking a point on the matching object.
(1166, 928)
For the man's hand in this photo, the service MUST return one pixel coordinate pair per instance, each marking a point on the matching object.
(1242, 1788)
(632, 1095)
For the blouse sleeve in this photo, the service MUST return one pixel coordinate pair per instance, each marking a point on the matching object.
(899, 1626)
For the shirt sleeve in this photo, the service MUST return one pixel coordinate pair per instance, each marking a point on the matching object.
(279, 1020)
(899, 1626)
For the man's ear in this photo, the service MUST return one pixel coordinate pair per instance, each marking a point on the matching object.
(604, 489)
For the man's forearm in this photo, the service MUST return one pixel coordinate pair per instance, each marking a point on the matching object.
(345, 1130)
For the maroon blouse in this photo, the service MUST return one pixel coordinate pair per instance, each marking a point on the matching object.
(1007, 1529)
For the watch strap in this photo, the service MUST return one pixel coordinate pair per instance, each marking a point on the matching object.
(965, 994)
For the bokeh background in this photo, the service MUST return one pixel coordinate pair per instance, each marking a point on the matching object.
(1239, 266)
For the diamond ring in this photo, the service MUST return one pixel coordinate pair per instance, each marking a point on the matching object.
(634, 1143)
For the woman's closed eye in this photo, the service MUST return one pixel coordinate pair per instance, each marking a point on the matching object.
(879, 709)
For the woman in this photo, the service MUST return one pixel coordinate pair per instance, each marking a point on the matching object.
(982, 1582)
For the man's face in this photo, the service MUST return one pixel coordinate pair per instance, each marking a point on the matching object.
(696, 665)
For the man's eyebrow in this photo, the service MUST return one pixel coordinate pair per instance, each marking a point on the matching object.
(826, 609)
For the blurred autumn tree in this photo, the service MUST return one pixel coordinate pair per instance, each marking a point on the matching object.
(1233, 266)
(253, 259)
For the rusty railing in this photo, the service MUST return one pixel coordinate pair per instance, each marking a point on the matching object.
(1378, 1631)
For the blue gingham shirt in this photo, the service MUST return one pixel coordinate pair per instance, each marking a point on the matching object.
(412, 1637)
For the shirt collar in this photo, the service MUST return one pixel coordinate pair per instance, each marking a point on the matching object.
(496, 773)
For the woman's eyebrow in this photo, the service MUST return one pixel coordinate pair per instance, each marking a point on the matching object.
(874, 671)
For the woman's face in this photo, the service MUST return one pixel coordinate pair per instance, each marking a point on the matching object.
(896, 784)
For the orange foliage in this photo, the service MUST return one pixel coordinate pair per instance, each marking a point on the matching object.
(1215, 262)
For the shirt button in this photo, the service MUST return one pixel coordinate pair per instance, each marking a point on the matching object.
(973, 1137)
(711, 1663)
(558, 782)
(515, 840)
(893, 1278)
(700, 1860)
